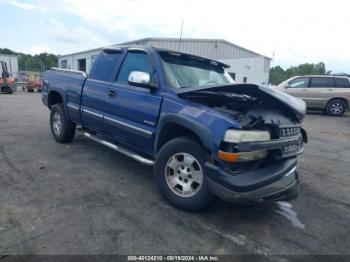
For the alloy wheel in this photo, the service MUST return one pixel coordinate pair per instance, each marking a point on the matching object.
(184, 175)
(57, 123)
(337, 108)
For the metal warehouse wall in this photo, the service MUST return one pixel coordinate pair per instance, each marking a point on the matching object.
(72, 60)
(214, 49)
(244, 63)
(12, 63)
(255, 69)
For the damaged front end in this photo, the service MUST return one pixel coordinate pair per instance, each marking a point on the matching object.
(261, 156)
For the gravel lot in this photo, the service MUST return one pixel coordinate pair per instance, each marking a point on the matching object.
(83, 198)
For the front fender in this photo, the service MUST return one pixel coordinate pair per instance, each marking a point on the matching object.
(199, 129)
(209, 125)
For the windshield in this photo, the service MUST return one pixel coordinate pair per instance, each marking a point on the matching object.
(185, 71)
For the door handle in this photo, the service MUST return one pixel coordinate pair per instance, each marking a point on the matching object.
(112, 93)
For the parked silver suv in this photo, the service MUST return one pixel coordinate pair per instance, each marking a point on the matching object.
(321, 92)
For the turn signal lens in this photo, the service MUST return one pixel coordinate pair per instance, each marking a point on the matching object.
(242, 157)
(229, 157)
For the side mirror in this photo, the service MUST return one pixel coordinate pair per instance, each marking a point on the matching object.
(141, 79)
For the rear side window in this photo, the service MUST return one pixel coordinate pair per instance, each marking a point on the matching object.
(134, 61)
(300, 82)
(104, 65)
(341, 82)
(321, 82)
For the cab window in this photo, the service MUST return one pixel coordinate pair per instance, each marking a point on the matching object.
(300, 82)
(104, 65)
(134, 61)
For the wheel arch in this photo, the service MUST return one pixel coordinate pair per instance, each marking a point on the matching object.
(173, 126)
(54, 97)
(339, 98)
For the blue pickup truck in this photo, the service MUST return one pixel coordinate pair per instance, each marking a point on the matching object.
(183, 114)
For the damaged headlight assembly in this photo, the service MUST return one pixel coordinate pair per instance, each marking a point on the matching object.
(235, 137)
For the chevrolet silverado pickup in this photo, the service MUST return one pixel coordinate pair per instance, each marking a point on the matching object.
(205, 135)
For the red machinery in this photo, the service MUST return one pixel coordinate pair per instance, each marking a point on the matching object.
(34, 84)
(6, 80)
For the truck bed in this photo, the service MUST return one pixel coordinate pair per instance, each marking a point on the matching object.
(69, 85)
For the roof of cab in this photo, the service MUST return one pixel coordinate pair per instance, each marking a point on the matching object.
(158, 49)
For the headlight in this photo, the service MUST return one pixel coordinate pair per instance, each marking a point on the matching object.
(238, 136)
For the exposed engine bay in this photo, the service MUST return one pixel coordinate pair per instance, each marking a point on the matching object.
(256, 108)
(252, 107)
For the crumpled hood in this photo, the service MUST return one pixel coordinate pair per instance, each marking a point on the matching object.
(296, 105)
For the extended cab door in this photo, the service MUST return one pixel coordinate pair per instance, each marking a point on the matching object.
(132, 112)
(96, 87)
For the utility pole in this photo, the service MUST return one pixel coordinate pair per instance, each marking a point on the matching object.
(182, 25)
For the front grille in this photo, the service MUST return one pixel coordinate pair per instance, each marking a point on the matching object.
(289, 131)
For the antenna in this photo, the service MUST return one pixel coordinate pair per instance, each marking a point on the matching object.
(182, 26)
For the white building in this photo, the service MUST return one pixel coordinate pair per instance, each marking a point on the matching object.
(12, 64)
(245, 65)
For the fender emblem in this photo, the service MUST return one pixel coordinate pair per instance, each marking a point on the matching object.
(149, 122)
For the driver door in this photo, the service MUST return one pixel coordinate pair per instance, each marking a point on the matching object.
(132, 112)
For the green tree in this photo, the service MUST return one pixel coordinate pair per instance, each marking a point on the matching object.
(6, 51)
(278, 74)
(28, 62)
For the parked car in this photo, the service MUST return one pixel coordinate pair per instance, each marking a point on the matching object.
(183, 114)
(321, 92)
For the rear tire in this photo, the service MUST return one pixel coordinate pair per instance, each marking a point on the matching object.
(62, 128)
(336, 107)
(179, 174)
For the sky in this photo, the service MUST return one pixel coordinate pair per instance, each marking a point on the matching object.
(289, 31)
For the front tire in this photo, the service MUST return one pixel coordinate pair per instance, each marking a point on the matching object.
(179, 174)
(62, 128)
(336, 107)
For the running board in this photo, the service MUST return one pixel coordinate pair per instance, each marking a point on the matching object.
(121, 150)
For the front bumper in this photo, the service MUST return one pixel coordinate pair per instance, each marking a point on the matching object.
(276, 182)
